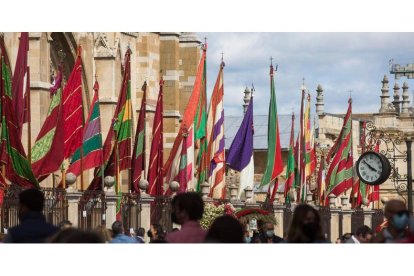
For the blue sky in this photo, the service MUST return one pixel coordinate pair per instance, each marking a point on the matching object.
(340, 62)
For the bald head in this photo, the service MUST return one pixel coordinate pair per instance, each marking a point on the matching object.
(394, 206)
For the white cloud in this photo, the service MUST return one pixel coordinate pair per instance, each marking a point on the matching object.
(340, 62)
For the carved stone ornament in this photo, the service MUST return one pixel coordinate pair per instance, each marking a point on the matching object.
(102, 48)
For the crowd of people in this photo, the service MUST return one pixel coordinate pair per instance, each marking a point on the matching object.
(187, 211)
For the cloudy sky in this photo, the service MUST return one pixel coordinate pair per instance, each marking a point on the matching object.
(340, 62)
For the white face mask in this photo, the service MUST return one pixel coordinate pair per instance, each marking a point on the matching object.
(270, 233)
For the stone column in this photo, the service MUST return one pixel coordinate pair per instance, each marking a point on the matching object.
(190, 53)
(405, 101)
(396, 101)
(278, 213)
(334, 223)
(169, 65)
(368, 216)
(108, 64)
(384, 96)
(111, 200)
(145, 215)
(73, 197)
(319, 100)
(346, 220)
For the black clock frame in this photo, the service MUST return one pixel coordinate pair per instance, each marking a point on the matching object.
(386, 168)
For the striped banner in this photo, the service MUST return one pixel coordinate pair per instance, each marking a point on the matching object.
(73, 109)
(274, 164)
(138, 157)
(290, 166)
(92, 139)
(215, 138)
(48, 150)
(340, 175)
(171, 167)
(155, 174)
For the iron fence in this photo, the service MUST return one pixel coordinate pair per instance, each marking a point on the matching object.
(287, 219)
(377, 218)
(10, 208)
(325, 214)
(357, 219)
(91, 210)
(161, 212)
(131, 210)
(55, 206)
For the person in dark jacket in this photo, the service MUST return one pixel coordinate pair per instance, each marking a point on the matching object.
(267, 234)
(33, 227)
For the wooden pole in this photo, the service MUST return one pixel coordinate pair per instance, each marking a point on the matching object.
(29, 119)
(79, 52)
(81, 164)
(63, 177)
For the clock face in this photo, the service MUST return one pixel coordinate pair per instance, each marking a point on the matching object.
(370, 168)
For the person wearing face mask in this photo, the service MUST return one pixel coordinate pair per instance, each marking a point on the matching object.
(305, 226)
(188, 209)
(268, 234)
(397, 216)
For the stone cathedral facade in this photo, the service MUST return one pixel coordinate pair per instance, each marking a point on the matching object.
(174, 56)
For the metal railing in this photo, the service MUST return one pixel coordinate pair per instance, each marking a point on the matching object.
(131, 210)
(55, 206)
(91, 210)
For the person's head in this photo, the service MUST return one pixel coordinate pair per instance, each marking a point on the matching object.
(141, 232)
(65, 224)
(187, 207)
(225, 229)
(73, 235)
(157, 232)
(268, 229)
(117, 228)
(31, 200)
(305, 226)
(346, 237)
(364, 234)
(397, 214)
(103, 232)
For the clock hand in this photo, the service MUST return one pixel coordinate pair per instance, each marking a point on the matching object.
(369, 166)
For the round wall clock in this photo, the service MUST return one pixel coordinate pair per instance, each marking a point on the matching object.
(373, 168)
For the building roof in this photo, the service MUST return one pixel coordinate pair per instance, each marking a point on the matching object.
(232, 124)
